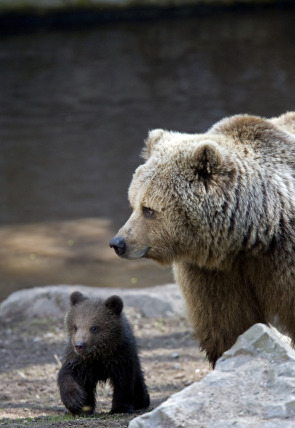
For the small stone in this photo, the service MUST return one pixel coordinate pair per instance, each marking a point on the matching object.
(175, 355)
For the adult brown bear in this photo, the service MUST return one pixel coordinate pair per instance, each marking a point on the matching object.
(220, 207)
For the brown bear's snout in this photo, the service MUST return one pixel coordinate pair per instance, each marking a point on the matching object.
(80, 347)
(119, 245)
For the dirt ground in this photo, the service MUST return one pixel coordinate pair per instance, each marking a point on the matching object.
(31, 351)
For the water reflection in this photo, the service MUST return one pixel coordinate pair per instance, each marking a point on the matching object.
(75, 107)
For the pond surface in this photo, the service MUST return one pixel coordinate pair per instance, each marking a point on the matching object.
(76, 106)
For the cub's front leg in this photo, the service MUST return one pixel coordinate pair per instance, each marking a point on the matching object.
(73, 393)
(123, 391)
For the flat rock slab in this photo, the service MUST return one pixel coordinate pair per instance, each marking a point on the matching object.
(53, 301)
(253, 385)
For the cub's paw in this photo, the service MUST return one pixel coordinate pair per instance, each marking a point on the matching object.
(74, 399)
(122, 408)
(142, 402)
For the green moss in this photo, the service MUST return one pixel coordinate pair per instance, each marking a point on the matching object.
(35, 422)
(102, 420)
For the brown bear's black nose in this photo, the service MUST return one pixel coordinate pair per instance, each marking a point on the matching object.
(119, 245)
(80, 346)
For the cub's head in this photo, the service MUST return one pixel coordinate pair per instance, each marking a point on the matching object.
(174, 197)
(94, 325)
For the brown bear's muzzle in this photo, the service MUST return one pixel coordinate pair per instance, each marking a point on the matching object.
(127, 251)
(119, 245)
(80, 347)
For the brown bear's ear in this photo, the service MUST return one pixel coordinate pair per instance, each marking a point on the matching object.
(115, 304)
(207, 158)
(77, 297)
(150, 143)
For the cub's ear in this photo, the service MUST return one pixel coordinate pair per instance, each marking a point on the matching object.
(77, 297)
(208, 158)
(150, 143)
(115, 304)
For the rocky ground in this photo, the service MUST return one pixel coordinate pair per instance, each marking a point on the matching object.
(253, 384)
(31, 350)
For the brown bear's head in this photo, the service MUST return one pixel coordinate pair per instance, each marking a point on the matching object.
(175, 196)
(94, 326)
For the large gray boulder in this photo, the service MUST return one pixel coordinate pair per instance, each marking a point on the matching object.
(53, 301)
(253, 385)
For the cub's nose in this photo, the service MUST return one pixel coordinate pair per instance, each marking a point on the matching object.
(80, 347)
(119, 245)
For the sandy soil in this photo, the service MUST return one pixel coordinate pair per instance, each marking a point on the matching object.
(70, 252)
(31, 351)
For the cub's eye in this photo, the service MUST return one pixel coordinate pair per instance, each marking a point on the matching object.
(93, 329)
(75, 328)
(148, 212)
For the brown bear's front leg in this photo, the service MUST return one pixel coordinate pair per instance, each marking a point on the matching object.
(221, 306)
(123, 393)
(141, 395)
(73, 394)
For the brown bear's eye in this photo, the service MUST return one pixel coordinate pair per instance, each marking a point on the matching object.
(93, 329)
(148, 212)
(75, 328)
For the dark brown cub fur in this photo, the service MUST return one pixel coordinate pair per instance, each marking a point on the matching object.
(101, 346)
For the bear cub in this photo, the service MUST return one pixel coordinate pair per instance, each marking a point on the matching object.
(101, 346)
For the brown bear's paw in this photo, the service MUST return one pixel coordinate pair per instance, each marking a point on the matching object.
(142, 402)
(122, 408)
(75, 401)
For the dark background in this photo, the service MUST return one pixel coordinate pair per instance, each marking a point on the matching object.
(77, 104)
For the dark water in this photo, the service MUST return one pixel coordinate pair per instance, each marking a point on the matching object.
(76, 105)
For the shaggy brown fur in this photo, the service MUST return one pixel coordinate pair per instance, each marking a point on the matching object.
(101, 346)
(220, 206)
